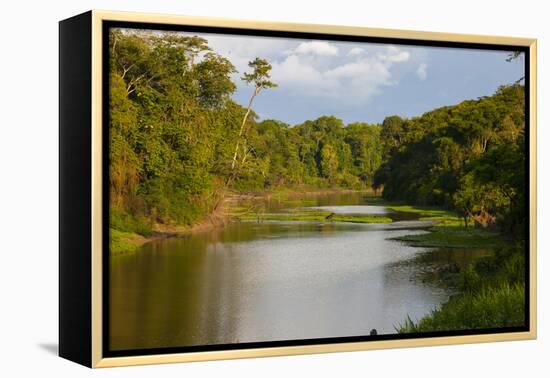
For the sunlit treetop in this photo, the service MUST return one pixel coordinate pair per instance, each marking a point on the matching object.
(259, 76)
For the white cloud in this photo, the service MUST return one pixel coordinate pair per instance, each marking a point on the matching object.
(349, 79)
(292, 69)
(316, 48)
(359, 70)
(241, 50)
(315, 69)
(317, 76)
(421, 71)
(299, 77)
(356, 51)
(348, 82)
(395, 55)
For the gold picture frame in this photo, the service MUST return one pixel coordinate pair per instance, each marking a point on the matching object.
(90, 328)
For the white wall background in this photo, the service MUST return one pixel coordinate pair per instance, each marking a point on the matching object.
(28, 186)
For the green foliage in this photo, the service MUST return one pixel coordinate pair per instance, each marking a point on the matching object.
(121, 242)
(329, 163)
(316, 216)
(423, 211)
(453, 236)
(392, 133)
(177, 139)
(365, 149)
(214, 82)
(361, 219)
(492, 307)
(124, 222)
(493, 296)
(260, 74)
(171, 117)
(316, 154)
(470, 280)
(468, 157)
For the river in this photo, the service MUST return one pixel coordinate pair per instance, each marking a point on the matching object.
(277, 280)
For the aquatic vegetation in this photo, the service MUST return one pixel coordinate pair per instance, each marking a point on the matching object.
(453, 237)
(361, 219)
(423, 211)
(316, 216)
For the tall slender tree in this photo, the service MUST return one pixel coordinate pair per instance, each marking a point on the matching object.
(260, 78)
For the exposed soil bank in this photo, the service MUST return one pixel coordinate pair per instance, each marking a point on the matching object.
(222, 215)
(129, 242)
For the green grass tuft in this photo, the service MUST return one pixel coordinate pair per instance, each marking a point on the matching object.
(491, 307)
(121, 242)
(493, 296)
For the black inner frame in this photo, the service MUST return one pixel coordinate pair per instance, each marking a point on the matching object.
(107, 25)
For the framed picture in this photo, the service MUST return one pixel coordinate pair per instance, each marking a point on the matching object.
(236, 189)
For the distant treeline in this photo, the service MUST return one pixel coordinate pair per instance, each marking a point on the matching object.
(177, 143)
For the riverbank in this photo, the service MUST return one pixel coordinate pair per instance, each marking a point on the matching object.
(297, 193)
(491, 290)
(324, 216)
(490, 284)
(492, 295)
(125, 242)
(444, 236)
(446, 229)
(235, 206)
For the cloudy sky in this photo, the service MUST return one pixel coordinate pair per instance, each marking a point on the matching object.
(362, 82)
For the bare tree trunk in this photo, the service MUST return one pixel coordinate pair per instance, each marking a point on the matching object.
(256, 91)
(237, 145)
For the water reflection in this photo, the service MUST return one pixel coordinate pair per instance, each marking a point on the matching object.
(271, 281)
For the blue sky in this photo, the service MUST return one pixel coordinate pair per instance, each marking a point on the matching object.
(362, 82)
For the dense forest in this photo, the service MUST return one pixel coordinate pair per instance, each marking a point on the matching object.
(468, 157)
(179, 142)
(180, 145)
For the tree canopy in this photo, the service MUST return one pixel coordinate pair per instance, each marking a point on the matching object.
(178, 139)
(469, 157)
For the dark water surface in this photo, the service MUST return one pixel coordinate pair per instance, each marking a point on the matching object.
(276, 280)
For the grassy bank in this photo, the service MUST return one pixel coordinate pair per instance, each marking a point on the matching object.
(124, 242)
(448, 230)
(492, 290)
(127, 233)
(491, 307)
(424, 212)
(492, 296)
